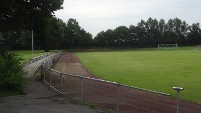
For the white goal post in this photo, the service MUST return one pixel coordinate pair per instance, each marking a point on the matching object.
(167, 46)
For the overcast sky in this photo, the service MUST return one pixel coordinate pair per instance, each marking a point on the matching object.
(98, 15)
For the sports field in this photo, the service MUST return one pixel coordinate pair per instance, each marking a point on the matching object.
(150, 69)
(27, 54)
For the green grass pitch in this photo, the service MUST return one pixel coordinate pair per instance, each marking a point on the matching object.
(27, 54)
(150, 69)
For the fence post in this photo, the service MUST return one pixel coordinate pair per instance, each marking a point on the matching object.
(44, 76)
(48, 63)
(51, 61)
(82, 100)
(178, 89)
(41, 70)
(50, 80)
(117, 101)
(44, 73)
(177, 102)
(61, 83)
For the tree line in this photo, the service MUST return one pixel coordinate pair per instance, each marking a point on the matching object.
(70, 35)
(150, 33)
(59, 35)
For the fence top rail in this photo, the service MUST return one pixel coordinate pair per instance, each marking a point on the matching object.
(83, 77)
(114, 83)
(167, 44)
(40, 56)
(46, 60)
(31, 60)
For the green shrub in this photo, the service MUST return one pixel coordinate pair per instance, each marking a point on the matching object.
(11, 73)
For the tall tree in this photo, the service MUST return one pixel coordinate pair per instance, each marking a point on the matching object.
(194, 36)
(29, 15)
(141, 33)
(99, 39)
(55, 34)
(162, 27)
(121, 36)
(75, 36)
(71, 33)
(169, 34)
(85, 39)
(153, 33)
(133, 36)
(26, 14)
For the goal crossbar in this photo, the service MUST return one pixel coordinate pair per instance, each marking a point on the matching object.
(167, 46)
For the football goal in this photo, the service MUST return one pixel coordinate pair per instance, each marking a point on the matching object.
(167, 46)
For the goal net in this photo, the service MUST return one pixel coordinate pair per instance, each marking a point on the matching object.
(167, 46)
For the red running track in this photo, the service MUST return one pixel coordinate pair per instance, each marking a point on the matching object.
(104, 95)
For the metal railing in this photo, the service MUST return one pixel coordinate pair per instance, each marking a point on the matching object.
(32, 60)
(97, 92)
